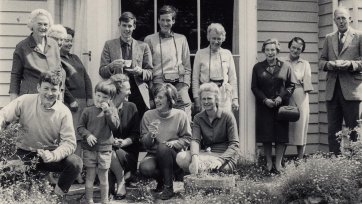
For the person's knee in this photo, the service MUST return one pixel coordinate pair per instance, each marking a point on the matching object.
(103, 176)
(163, 150)
(183, 159)
(75, 162)
(148, 167)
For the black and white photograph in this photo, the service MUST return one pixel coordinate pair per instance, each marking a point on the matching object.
(180, 101)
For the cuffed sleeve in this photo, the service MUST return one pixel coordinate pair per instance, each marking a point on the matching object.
(67, 143)
(186, 62)
(196, 75)
(16, 73)
(233, 139)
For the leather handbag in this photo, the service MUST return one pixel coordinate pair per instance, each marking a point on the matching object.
(288, 113)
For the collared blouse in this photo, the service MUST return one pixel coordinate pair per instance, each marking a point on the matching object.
(302, 73)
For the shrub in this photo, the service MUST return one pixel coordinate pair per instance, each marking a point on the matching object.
(20, 183)
(330, 178)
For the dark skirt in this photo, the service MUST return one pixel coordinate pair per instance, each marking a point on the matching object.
(268, 128)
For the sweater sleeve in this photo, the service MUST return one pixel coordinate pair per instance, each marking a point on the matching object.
(82, 125)
(186, 61)
(232, 76)
(67, 143)
(184, 132)
(146, 139)
(196, 75)
(112, 118)
(232, 134)
(11, 111)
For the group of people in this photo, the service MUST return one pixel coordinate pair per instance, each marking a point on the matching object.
(143, 102)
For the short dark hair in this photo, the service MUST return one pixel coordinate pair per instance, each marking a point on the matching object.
(297, 40)
(69, 31)
(170, 92)
(127, 17)
(106, 87)
(168, 9)
(271, 41)
(53, 77)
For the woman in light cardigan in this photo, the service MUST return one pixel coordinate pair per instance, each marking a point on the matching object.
(165, 131)
(215, 64)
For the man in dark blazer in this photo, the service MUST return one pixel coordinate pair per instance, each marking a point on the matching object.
(341, 59)
(131, 57)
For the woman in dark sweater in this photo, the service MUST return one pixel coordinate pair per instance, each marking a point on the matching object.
(78, 85)
(125, 149)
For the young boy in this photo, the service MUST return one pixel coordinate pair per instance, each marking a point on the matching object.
(95, 126)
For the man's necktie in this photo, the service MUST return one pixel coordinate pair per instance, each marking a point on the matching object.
(340, 42)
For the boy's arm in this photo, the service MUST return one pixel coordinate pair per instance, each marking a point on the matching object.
(82, 125)
(112, 118)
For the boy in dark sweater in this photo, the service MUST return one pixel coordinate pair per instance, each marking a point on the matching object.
(95, 126)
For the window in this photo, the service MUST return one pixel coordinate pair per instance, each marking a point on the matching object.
(194, 16)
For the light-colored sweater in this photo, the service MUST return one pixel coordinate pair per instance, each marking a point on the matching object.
(221, 60)
(43, 127)
(174, 126)
(171, 64)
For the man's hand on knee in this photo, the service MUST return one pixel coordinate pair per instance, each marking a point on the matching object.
(46, 155)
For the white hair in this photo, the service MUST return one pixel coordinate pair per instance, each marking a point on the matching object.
(218, 28)
(37, 12)
(57, 31)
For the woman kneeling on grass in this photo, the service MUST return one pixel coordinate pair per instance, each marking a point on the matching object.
(215, 130)
(165, 131)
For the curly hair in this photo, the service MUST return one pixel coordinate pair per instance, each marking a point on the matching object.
(118, 80)
(53, 77)
(37, 12)
(210, 87)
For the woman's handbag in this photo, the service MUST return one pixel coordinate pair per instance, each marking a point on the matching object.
(288, 113)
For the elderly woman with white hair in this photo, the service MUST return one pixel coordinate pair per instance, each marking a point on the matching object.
(34, 55)
(214, 141)
(215, 64)
(58, 33)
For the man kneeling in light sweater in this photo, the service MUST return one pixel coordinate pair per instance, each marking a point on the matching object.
(49, 131)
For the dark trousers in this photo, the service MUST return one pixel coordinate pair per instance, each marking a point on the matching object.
(69, 167)
(160, 166)
(338, 109)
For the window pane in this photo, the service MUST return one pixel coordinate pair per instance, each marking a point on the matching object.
(186, 20)
(144, 11)
(217, 12)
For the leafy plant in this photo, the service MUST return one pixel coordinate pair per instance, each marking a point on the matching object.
(19, 183)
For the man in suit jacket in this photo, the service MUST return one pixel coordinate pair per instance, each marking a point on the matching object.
(341, 59)
(117, 55)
